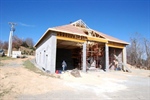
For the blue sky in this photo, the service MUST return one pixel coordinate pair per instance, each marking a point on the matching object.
(117, 18)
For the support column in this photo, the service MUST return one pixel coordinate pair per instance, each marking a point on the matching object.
(12, 29)
(106, 57)
(84, 57)
(124, 57)
(53, 53)
(10, 44)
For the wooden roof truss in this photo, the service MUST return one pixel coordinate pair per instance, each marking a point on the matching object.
(80, 23)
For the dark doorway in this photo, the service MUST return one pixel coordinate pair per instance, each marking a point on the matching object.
(64, 54)
(70, 52)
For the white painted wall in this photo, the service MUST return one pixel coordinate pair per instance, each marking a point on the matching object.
(46, 53)
(16, 53)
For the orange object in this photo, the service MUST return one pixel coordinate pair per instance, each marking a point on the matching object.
(57, 72)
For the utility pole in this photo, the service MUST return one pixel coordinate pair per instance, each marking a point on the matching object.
(12, 29)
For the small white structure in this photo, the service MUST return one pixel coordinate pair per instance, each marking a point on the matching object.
(15, 54)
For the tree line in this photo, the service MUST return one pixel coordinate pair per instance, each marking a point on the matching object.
(17, 42)
(138, 51)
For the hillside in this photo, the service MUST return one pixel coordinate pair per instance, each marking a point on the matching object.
(24, 50)
(27, 51)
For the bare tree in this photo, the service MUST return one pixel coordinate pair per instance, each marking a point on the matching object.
(1, 44)
(17, 42)
(135, 50)
(147, 49)
(5, 45)
(29, 42)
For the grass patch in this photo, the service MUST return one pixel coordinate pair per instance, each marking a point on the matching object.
(31, 67)
(6, 58)
(1, 64)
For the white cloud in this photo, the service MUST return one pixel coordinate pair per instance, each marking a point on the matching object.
(26, 25)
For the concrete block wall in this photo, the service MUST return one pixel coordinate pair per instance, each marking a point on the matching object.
(46, 52)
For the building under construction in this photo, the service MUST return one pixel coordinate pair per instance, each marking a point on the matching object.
(80, 46)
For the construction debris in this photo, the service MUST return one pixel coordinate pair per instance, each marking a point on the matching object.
(75, 73)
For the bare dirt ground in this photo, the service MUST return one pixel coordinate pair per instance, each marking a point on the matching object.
(19, 83)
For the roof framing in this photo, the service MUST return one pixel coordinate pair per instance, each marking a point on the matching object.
(79, 28)
(80, 23)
